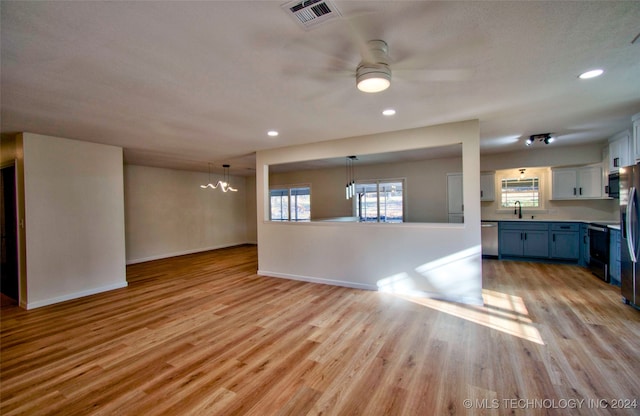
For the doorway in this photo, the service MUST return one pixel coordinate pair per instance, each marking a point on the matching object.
(9, 245)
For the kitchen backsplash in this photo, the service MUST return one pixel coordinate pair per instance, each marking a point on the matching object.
(584, 209)
(559, 210)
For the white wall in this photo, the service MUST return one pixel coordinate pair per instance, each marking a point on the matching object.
(425, 187)
(168, 214)
(74, 219)
(579, 210)
(250, 215)
(438, 260)
(507, 165)
(549, 155)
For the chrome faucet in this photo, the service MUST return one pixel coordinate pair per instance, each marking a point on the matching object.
(518, 210)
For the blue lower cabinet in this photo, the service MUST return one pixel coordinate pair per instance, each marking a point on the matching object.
(541, 240)
(565, 241)
(536, 244)
(511, 243)
(519, 239)
(565, 245)
(614, 257)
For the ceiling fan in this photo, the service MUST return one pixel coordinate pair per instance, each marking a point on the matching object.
(373, 73)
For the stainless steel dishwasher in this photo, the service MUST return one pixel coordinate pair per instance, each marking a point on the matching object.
(489, 232)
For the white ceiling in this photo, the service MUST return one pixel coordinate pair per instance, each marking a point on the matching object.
(181, 84)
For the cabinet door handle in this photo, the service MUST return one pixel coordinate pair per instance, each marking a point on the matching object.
(616, 162)
(481, 193)
(580, 190)
(574, 191)
(525, 236)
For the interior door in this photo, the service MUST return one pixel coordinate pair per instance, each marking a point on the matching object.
(9, 231)
(455, 202)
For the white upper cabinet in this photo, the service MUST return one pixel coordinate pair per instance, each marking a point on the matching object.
(590, 182)
(576, 183)
(636, 137)
(487, 186)
(619, 151)
(564, 183)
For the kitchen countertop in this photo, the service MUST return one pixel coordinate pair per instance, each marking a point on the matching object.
(615, 225)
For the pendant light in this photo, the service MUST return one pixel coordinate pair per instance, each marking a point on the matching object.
(223, 184)
(350, 188)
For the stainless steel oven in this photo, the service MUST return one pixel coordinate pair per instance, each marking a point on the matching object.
(599, 250)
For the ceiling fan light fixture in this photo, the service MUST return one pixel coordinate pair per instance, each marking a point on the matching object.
(374, 78)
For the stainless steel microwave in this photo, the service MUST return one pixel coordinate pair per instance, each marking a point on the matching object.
(613, 189)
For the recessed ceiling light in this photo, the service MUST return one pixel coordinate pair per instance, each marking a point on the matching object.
(591, 74)
(272, 133)
(389, 112)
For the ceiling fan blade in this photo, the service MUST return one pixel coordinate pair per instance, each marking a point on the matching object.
(358, 37)
(452, 52)
(374, 23)
(434, 74)
(340, 55)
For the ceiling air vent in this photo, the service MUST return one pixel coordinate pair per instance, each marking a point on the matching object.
(310, 13)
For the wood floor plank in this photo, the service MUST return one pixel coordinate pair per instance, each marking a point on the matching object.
(204, 334)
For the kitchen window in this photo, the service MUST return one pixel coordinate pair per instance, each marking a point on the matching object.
(525, 190)
(380, 201)
(290, 203)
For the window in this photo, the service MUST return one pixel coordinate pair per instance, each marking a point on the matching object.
(525, 190)
(290, 204)
(380, 201)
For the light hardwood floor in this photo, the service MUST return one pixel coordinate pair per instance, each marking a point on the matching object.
(204, 335)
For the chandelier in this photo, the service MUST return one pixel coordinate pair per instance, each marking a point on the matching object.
(224, 184)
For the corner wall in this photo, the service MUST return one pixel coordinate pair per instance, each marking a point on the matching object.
(168, 214)
(436, 260)
(74, 219)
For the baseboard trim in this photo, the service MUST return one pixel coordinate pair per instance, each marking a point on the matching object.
(182, 253)
(75, 295)
(319, 280)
